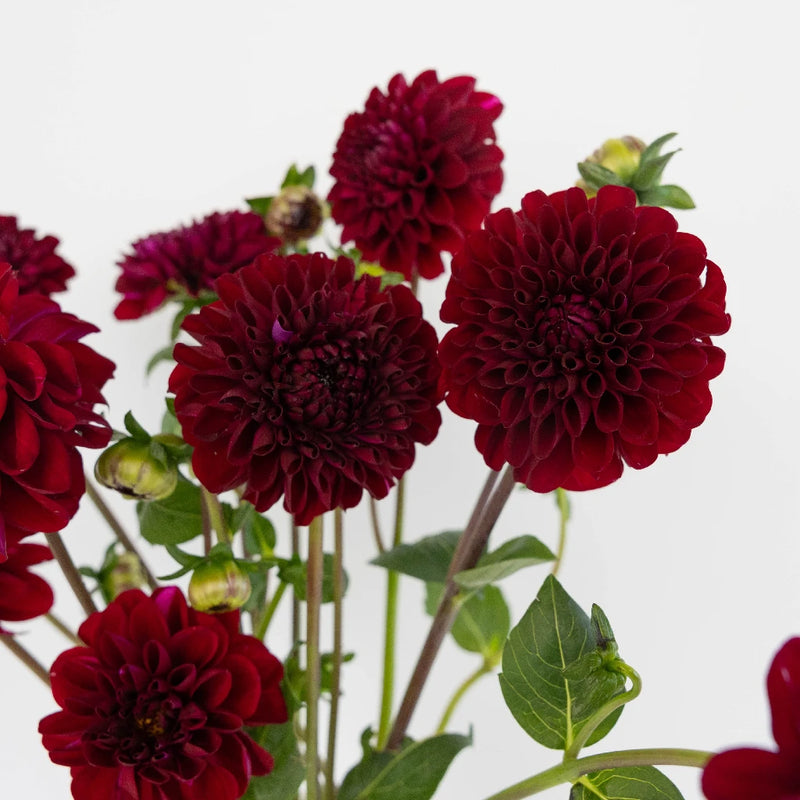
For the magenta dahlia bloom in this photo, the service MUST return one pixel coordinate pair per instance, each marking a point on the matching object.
(153, 708)
(416, 170)
(306, 383)
(38, 267)
(49, 384)
(188, 260)
(23, 594)
(582, 337)
(749, 773)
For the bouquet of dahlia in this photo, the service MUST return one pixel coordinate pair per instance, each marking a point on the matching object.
(304, 373)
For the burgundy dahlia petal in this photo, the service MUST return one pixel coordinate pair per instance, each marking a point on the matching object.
(39, 269)
(49, 384)
(306, 383)
(23, 594)
(582, 337)
(416, 170)
(155, 705)
(188, 260)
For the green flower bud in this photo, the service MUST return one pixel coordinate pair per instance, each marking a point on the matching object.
(122, 572)
(295, 214)
(132, 468)
(217, 586)
(621, 156)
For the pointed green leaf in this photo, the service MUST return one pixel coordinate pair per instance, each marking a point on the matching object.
(428, 559)
(597, 176)
(289, 771)
(174, 519)
(296, 178)
(667, 196)
(164, 354)
(412, 774)
(625, 783)
(649, 174)
(259, 205)
(549, 702)
(653, 150)
(135, 429)
(510, 557)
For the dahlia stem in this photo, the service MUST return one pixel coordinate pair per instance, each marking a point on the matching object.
(72, 575)
(115, 525)
(572, 770)
(62, 627)
(215, 516)
(376, 525)
(468, 551)
(336, 674)
(484, 669)
(295, 534)
(269, 612)
(313, 677)
(10, 641)
(390, 626)
(562, 501)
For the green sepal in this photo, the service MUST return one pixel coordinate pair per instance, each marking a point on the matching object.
(667, 196)
(260, 205)
(136, 431)
(554, 676)
(510, 557)
(413, 773)
(597, 176)
(649, 173)
(625, 783)
(653, 150)
(175, 519)
(296, 178)
(164, 354)
(289, 771)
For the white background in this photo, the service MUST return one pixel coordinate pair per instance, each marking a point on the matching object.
(122, 118)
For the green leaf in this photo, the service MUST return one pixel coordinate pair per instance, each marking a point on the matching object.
(625, 783)
(653, 150)
(597, 176)
(649, 174)
(295, 573)
(428, 559)
(174, 519)
(289, 771)
(164, 354)
(412, 774)
(510, 557)
(667, 196)
(554, 640)
(136, 431)
(296, 178)
(259, 205)
(259, 533)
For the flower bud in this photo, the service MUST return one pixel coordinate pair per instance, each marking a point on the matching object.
(295, 214)
(132, 468)
(620, 156)
(217, 586)
(122, 573)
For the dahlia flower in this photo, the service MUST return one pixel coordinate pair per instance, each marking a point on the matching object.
(38, 267)
(153, 708)
(749, 773)
(416, 170)
(23, 595)
(188, 260)
(49, 385)
(306, 383)
(582, 337)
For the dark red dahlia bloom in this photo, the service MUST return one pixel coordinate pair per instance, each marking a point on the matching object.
(49, 385)
(188, 260)
(582, 337)
(306, 383)
(23, 595)
(416, 170)
(153, 707)
(749, 773)
(38, 267)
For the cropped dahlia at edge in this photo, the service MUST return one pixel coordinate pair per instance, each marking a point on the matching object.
(416, 170)
(306, 383)
(153, 707)
(582, 337)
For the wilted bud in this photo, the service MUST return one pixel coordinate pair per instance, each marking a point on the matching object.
(217, 586)
(132, 468)
(295, 214)
(123, 572)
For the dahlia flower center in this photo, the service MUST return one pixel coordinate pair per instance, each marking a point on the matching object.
(567, 323)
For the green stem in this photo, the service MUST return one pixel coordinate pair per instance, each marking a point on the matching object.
(313, 605)
(336, 673)
(215, 516)
(63, 628)
(269, 612)
(376, 525)
(484, 669)
(591, 724)
(570, 771)
(295, 535)
(562, 501)
(25, 657)
(390, 626)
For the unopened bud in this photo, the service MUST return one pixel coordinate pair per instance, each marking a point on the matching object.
(621, 156)
(123, 573)
(217, 586)
(295, 214)
(131, 468)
